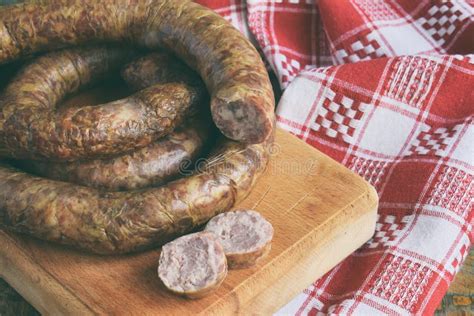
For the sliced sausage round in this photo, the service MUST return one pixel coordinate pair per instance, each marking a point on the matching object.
(193, 265)
(245, 235)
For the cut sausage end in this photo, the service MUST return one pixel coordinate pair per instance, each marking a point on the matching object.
(242, 121)
(245, 236)
(247, 260)
(193, 265)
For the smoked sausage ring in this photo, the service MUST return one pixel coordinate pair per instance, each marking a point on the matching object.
(121, 222)
(31, 128)
(161, 161)
(242, 102)
(242, 107)
(164, 160)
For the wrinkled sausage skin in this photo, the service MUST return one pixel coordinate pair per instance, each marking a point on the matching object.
(161, 161)
(242, 101)
(121, 222)
(158, 67)
(31, 128)
(153, 165)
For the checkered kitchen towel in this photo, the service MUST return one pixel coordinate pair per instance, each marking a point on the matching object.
(387, 89)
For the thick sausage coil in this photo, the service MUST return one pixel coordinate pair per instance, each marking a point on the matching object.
(153, 165)
(242, 102)
(159, 67)
(120, 222)
(161, 161)
(122, 132)
(31, 127)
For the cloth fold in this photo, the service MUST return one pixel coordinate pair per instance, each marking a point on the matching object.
(387, 89)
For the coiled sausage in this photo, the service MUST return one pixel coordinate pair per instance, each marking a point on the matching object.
(120, 222)
(161, 161)
(31, 128)
(242, 102)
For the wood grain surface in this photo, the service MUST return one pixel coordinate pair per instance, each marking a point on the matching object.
(321, 213)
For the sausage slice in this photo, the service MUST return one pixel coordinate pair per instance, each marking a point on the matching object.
(245, 235)
(193, 265)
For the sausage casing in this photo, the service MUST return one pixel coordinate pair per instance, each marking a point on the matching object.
(158, 67)
(242, 101)
(31, 128)
(163, 160)
(121, 222)
(153, 165)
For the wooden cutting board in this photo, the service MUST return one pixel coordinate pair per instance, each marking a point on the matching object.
(321, 213)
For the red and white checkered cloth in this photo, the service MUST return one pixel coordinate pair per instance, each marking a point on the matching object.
(387, 89)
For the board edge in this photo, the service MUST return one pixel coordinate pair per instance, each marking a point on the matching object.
(367, 206)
